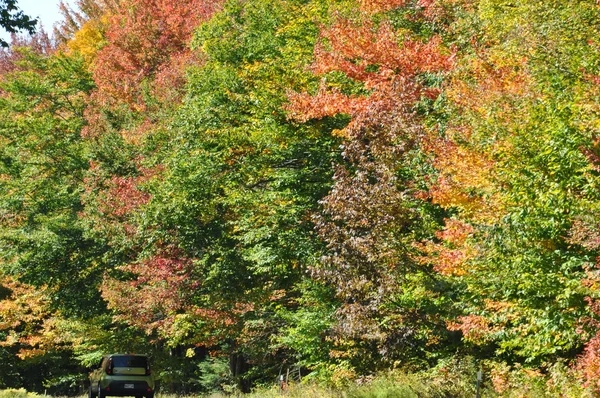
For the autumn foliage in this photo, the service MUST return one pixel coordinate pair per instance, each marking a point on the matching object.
(341, 188)
(146, 40)
(368, 208)
(27, 320)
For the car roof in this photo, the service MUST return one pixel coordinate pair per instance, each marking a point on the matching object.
(125, 355)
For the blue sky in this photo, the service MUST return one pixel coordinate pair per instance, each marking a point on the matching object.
(45, 10)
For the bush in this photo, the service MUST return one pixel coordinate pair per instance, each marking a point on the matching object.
(395, 384)
(558, 380)
(216, 375)
(454, 377)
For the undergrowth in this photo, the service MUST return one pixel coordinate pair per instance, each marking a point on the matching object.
(454, 378)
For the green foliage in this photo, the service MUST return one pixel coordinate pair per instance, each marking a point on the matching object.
(43, 162)
(307, 324)
(527, 278)
(239, 179)
(223, 183)
(215, 375)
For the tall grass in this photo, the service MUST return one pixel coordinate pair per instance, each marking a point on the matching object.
(12, 393)
(393, 385)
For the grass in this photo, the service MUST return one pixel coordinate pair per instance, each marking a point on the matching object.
(394, 385)
(12, 393)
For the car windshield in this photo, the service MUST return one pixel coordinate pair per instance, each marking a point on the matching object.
(129, 362)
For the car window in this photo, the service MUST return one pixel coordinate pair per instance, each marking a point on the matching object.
(129, 362)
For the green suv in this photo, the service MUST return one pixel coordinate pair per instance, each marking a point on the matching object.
(122, 375)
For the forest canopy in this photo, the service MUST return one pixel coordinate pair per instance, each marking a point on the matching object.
(340, 187)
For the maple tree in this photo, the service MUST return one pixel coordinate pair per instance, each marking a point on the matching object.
(144, 42)
(27, 320)
(30, 333)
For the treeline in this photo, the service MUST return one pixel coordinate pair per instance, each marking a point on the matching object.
(340, 187)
